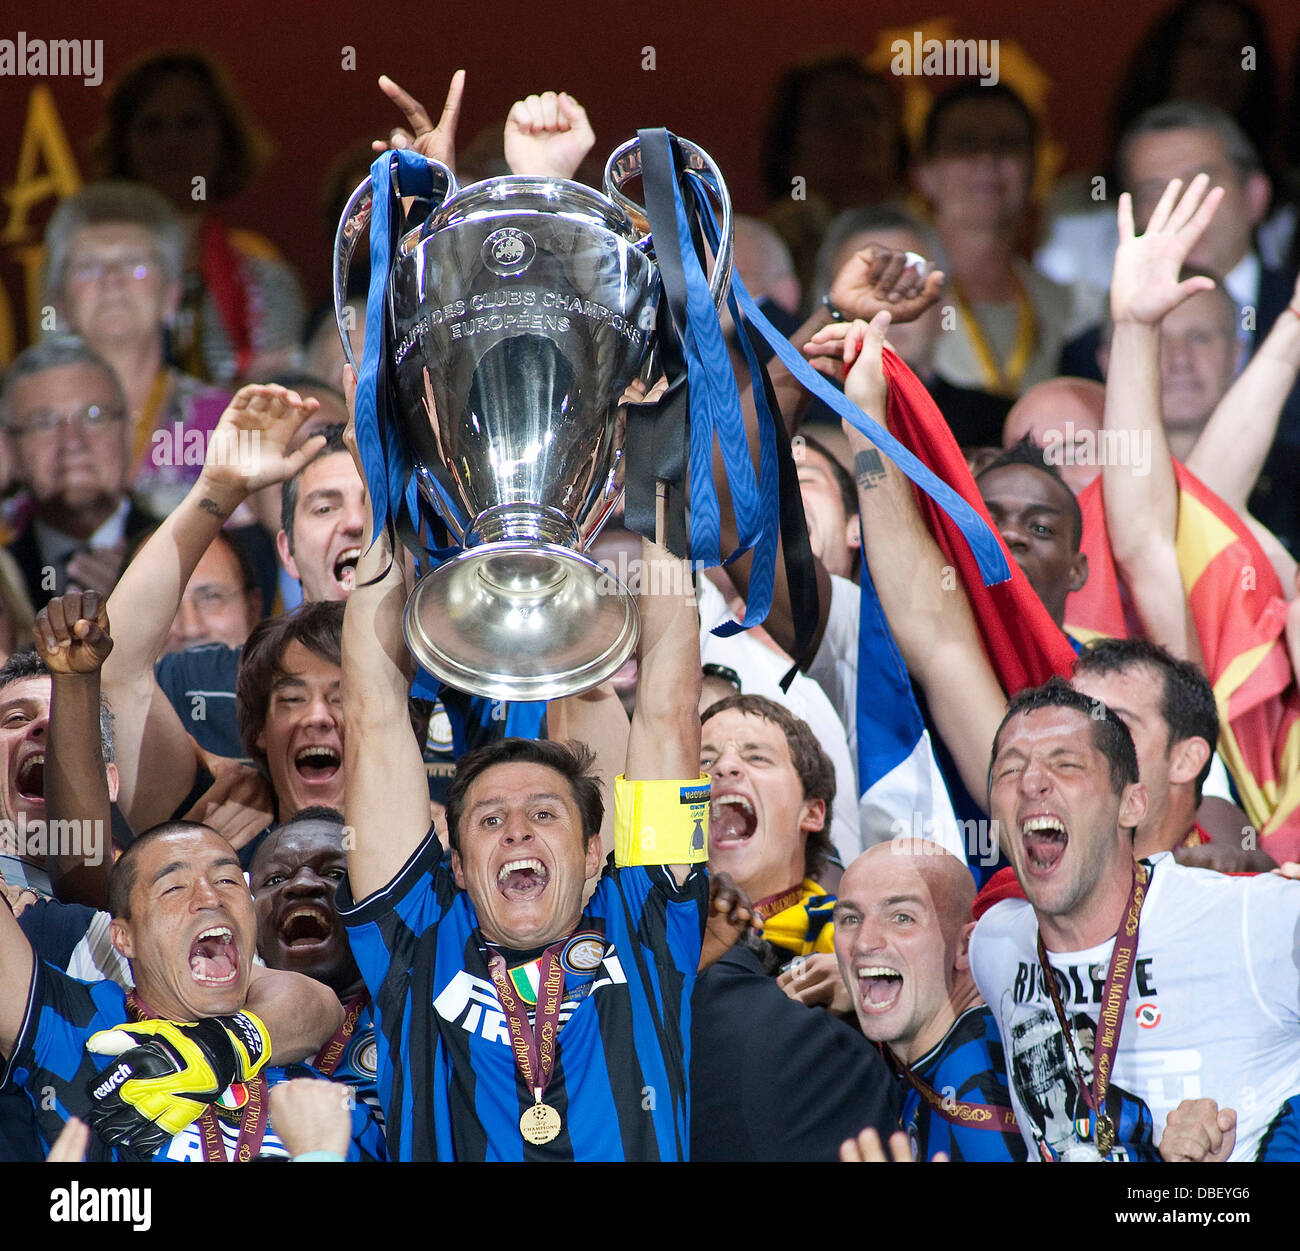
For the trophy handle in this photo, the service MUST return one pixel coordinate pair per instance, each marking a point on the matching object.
(352, 224)
(624, 165)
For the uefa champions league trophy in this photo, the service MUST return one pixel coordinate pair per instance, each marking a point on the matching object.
(517, 316)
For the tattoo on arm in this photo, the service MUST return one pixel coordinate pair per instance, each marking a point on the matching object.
(211, 506)
(868, 468)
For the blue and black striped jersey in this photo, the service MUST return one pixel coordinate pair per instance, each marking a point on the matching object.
(1282, 1138)
(967, 1066)
(50, 1062)
(447, 1076)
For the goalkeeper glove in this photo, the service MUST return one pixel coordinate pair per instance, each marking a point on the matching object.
(167, 1072)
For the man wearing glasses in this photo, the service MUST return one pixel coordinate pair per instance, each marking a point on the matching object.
(64, 419)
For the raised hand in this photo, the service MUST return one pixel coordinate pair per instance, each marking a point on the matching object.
(884, 278)
(71, 633)
(547, 135)
(238, 805)
(436, 142)
(249, 448)
(1144, 285)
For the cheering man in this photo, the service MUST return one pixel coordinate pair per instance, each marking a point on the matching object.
(1113, 1009)
(902, 931)
(513, 1022)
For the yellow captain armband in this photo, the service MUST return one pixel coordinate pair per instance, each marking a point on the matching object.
(661, 822)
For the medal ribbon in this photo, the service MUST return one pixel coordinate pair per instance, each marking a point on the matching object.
(327, 1059)
(252, 1118)
(1118, 977)
(769, 907)
(958, 1112)
(534, 1046)
(1001, 380)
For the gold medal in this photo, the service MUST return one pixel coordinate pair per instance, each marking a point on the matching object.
(540, 1124)
(1104, 1135)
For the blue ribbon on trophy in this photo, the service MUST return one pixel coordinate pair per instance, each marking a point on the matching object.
(501, 335)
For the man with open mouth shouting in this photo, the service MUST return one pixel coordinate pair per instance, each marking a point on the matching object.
(902, 933)
(294, 875)
(514, 1021)
(1183, 1027)
(176, 1069)
(769, 818)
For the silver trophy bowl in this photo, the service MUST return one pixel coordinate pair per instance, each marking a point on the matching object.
(517, 318)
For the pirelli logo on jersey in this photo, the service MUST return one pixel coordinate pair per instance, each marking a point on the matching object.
(472, 1003)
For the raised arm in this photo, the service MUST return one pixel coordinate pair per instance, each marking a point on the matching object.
(300, 1013)
(387, 795)
(1232, 448)
(246, 452)
(873, 279)
(664, 742)
(597, 718)
(1141, 494)
(927, 609)
(16, 966)
(72, 638)
(547, 135)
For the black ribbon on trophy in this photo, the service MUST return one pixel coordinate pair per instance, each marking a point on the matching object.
(503, 334)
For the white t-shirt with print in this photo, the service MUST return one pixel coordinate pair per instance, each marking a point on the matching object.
(1213, 1009)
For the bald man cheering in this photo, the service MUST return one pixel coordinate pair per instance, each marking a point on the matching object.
(902, 927)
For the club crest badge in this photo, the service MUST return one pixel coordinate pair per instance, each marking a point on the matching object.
(583, 953)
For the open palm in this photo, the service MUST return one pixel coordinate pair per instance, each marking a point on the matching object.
(1144, 285)
(249, 449)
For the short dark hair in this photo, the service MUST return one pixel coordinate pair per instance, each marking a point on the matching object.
(1026, 452)
(314, 812)
(289, 492)
(28, 664)
(318, 626)
(974, 89)
(121, 881)
(1110, 735)
(843, 479)
(575, 761)
(811, 763)
(1187, 703)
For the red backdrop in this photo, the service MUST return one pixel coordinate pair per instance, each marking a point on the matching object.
(715, 63)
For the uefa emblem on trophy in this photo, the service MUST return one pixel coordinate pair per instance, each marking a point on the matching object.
(517, 316)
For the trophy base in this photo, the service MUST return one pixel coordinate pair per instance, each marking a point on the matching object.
(521, 620)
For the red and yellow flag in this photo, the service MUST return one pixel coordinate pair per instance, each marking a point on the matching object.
(1239, 613)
